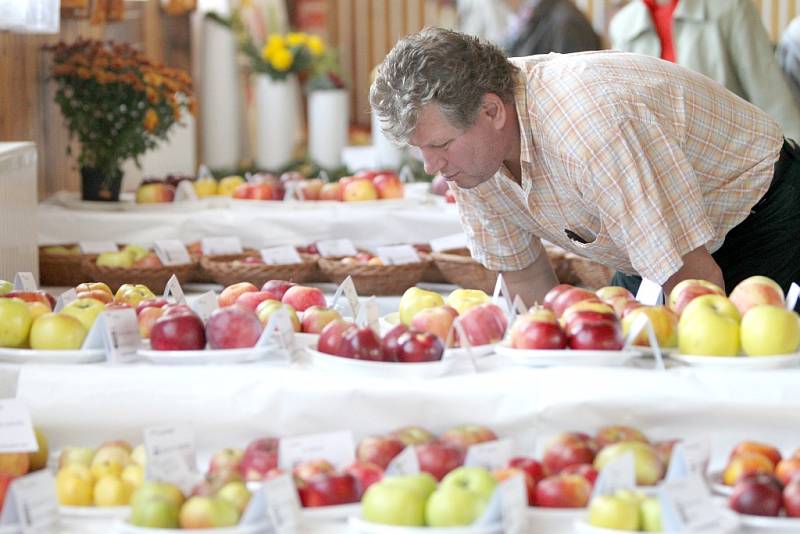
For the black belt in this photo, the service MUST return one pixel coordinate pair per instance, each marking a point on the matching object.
(790, 152)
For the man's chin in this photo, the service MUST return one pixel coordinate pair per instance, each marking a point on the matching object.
(467, 182)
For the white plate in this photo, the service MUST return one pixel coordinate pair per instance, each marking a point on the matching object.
(350, 366)
(359, 526)
(648, 351)
(552, 520)
(330, 513)
(728, 524)
(9, 355)
(537, 358)
(751, 363)
(771, 524)
(94, 512)
(123, 527)
(477, 352)
(202, 357)
(716, 484)
(306, 340)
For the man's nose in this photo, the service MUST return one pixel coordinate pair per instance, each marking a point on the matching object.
(432, 161)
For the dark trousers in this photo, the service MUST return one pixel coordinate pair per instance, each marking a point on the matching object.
(767, 242)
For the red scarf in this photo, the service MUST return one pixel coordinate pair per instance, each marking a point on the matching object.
(662, 18)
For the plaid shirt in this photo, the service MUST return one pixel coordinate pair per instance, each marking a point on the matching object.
(627, 160)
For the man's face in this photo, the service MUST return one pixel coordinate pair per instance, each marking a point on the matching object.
(467, 157)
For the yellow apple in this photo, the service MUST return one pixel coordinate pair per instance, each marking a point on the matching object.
(85, 310)
(767, 330)
(416, 299)
(15, 322)
(111, 490)
(133, 474)
(133, 294)
(463, 299)
(228, 185)
(135, 252)
(664, 321)
(756, 290)
(205, 187)
(38, 308)
(114, 259)
(57, 331)
(74, 485)
(359, 190)
(709, 326)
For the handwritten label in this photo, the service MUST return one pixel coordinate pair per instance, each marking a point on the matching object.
(31, 504)
(336, 247)
(221, 245)
(173, 289)
(283, 504)
(490, 454)
(171, 252)
(97, 247)
(16, 427)
(514, 504)
(336, 447)
(348, 289)
(687, 506)
(205, 305)
(688, 458)
(650, 293)
(619, 474)
(405, 463)
(450, 242)
(279, 329)
(283, 255)
(122, 335)
(171, 455)
(372, 315)
(65, 298)
(398, 255)
(25, 282)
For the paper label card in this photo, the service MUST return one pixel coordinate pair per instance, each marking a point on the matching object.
(122, 335)
(519, 306)
(65, 298)
(25, 282)
(502, 296)
(203, 172)
(618, 474)
(205, 305)
(283, 504)
(450, 242)
(348, 289)
(221, 245)
(687, 506)
(31, 504)
(688, 458)
(97, 247)
(279, 330)
(16, 427)
(514, 504)
(791, 296)
(171, 252)
(283, 255)
(185, 191)
(642, 322)
(405, 463)
(174, 291)
(372, 314)
(171, 455)
(650, 293)
(336, 247)
(490, 454)
(336, 447)
(398, 255)
(293, 191)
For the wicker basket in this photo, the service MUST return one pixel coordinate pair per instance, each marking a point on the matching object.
(224, 271)
(589, 274)
(375, 279)
(155, 278)
(460, 269)
(61, 270)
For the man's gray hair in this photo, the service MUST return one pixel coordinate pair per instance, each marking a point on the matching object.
(442, 66)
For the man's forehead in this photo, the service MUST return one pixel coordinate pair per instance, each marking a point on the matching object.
(432, 126)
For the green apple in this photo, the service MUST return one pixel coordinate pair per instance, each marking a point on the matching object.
(135, 252)
(236, 493)
(709, 326)
(612, 512)
(416, 299)
(650, 512)
(475, 479)
(85, 310)
(15, 322)
(155, 512)
(57, 331)
(767, 330)
(157, 490)
(454, 506)
(60, 250)
(6, 287)
(648, 466)
(114, 259)
(76, 455)
(393, 504)
(207, 512)
(424, 483)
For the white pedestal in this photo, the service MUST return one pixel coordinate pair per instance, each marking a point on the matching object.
(18, 229)
(327, 127)
(277, 120)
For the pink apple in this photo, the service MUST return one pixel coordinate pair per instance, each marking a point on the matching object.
(388, 185)
(231, 293)
(277, 288)
(528, 332)
(466, 435)
(563, 491)
(756, 290)
(437, 321)
(154, 193)
(365, 474)
(390, 344)
(147, 318)
(687, 290)
(178, 331)
(260, 457)
(251, 299)
(439, 458)
(484, 324)
(569, 448)
(302, 298)
(379, 450)
(533, 468)
(226, 459)
(569, 297)
(587, 471)
(316, 318)
(305, 471)
(331, 339)
(416, 347)
(608, 435)
(233, 327)
(151, 303)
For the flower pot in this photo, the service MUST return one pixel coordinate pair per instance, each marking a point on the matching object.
(327, 127)
(97, 184)
(277, 121)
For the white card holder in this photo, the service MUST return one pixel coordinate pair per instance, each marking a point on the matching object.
(336, 247)
(689, 458)
(643, 323)
(171, 252)
(185, 192)
(24, 281)
(405, 463)
(65, 298)
(502, 297)
(650, 293)
(31, 504)
(348, 289)
(171, 455)
(17, 434)
(687, 506)
(283, 255)
(618, 474)
(283, 505)
(174, 291)
(213, 246)
(205, 305)
(398, 255)
(490, 454)
(791, 296)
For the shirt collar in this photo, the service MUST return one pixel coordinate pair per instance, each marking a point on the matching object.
(523, 117)
(641, 21)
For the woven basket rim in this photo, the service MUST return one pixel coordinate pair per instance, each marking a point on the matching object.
(329, 265)
(89, 264)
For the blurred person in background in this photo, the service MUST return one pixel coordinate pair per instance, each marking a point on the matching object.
(723, 39)
(788, 54)
(545, 26)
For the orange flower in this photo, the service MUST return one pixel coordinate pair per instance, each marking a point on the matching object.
(150, 121)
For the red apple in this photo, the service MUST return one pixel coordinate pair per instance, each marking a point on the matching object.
(413, 435)
(33, 296)
(260, 457)
(379, 450)
(328, 490)
(390, 343)
(791, 498)
(754, 291)
(439, 458)
(466, 435)
(96, 294)
(563, 491)
(365, 474)
(233, 327)
(609, 435)
(484, 324)
(178, 331)
(316, 318)
(554, 293)
(437, 321)
(361, 344)
(601, 335)
(231, 293)
(330, 191)
(277, 288)
(226, 459)
(251, 299)
(587, 471)
(388, 185)
(177, 309)
(687, 290)
(757, 495)
(528, 332)
(510, 472)
(533, 468)
(331, 339)
(567, 449)
(416, 347)
(569, 297)
(158, 302)
(302, 297)
(586, 310)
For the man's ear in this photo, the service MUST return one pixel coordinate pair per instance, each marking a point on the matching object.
(493, 107)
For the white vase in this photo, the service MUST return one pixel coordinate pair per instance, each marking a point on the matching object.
(328, 116)
(387, 153)
(277, 120)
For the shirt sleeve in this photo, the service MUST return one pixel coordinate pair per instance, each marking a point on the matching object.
(494, 240)
(648, 198)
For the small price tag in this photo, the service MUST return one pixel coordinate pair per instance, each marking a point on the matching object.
(617, 475)
(687, 506)
(336, 447)
(205, 305)
(185, 191)
(336, 247)
(171, 455)
(171, 252)
(31, 504)
(372, 314)
(17, 429)
(405, 463)
(650, 293)
(221, 245)
(283, 504)
(688, 458)
(348, 288)
(449, 242)
(398, 255)
(514, 504)
(97, 247)
(490, 454)
(122, 335)
(502, 296)
(173, 289)
(791, 296)
(65, 298)
(279, 328)
(283, 255)
(519, 307)
(25, 282)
